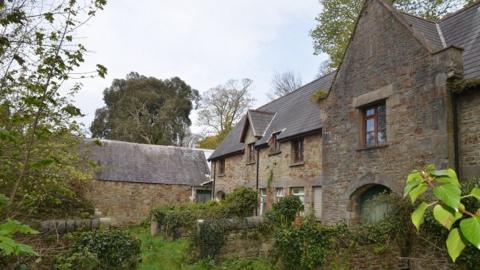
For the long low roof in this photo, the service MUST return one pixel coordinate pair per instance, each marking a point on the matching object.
(293, 114)
(144, 163)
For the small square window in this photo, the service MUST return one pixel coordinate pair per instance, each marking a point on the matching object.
(374, 125)
(297, 151)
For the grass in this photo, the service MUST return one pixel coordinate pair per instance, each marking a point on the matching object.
(160, 254)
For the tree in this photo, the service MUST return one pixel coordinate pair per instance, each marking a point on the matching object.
(223, 106)
(38, 134)
(145, 110)
(450, 208)
(284, 83)
(212, 142)
(338, 17)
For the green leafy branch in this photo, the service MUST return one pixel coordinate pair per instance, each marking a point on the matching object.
(448, 210)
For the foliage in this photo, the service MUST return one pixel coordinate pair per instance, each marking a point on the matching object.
(461, 85)
(174, 218)
(338, 17)
(8, 229)
(284, 83)
(209, 238)
(302, 247)
(223, 106)
(448, 209)
(393, 227)
(240, 203)
(145, 110)
(158, 253)
(113, 249)
(38, 133)
(285, 211)
(177, 218)
(212, 142)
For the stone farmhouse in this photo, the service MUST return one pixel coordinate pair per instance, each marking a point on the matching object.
(133, 178)
(406, 94)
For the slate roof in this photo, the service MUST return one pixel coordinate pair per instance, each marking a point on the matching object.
(152, 164)
(460, 29)
(259, 121)
(294, 114)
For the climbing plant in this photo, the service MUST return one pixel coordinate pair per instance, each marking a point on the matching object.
(449, 210)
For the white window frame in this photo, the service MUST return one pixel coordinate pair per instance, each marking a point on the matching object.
(279, 194)
(263, 201)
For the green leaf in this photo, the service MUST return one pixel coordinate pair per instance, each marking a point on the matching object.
(455, 244)
(430, 168)
(449, 194)
(418, 216)
(476, 193)
(470, 228)
(416, 192)
(448, 176)
(446, 216)
(413, 180)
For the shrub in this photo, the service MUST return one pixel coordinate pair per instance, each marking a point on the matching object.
(285, 211)
(113, 249)
(302, 247)
(240, 203)
(209, 238)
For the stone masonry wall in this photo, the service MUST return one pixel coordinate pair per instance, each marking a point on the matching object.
(385, 62)
(469, 134)
(239, 173)
(130, 203)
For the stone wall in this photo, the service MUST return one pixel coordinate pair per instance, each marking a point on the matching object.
(238, 172)
(469, 134)
(130, 203)
(385, 62)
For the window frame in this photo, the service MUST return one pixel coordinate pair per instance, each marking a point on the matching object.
(274, 144)
(279, 194)
(221, 167)
(263, 201)
(251, 153)
(376, 126)
(298, 150)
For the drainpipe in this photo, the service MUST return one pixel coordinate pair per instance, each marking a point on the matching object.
(257, 177)
(214, 168)
(455, 134)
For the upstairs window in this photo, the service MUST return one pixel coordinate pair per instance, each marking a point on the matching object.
(297, 151)
(221, 167)
(274, 144)
(374, 125)
(251, 153)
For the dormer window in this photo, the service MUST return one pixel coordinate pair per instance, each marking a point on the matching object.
(274, 144)
(251, 158)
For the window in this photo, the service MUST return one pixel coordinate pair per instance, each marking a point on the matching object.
(300, 193)
(279, 194)
(297, 151)
(221, 167)
(263, 201)
(274, 144)
(374, 125)
(251, 153)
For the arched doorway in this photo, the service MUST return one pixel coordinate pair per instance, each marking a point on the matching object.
(366, 210)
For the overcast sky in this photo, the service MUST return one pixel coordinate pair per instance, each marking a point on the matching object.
(204, 42)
